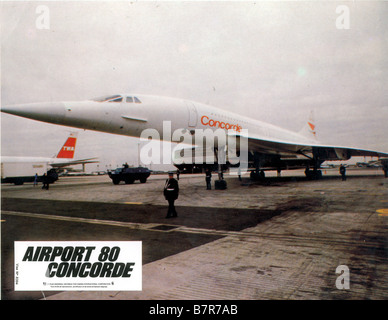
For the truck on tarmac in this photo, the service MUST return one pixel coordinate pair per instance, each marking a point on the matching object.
(129, 174)
(19, 172)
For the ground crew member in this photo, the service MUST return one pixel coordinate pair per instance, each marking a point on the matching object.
(45, 181)
(342, 171)
(208, 179)
(171, 192)
(385, 168)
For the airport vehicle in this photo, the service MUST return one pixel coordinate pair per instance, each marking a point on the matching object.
(23, 169)
(269, 147)
(129, 174)
(20, 172)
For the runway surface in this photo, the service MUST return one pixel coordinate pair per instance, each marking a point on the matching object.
(278, 239)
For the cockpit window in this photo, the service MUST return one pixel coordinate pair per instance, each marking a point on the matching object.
(115, 98)
(133, 99)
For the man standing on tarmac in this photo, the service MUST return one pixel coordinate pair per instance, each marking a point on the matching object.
(208, 179)
(342, 171)
(46, 182)
(384, 163)
(171, 192)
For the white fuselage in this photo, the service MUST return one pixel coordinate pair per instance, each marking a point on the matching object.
(130, 118)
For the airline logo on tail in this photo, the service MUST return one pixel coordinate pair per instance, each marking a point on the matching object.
(312, 127)
(68, 149)
(309, 128)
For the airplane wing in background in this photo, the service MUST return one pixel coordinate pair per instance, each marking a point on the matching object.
(73, 162)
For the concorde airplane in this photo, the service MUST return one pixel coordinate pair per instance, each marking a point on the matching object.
(269, 147)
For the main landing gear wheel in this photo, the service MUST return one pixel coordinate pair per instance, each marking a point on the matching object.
(313, 174)
(257, 175)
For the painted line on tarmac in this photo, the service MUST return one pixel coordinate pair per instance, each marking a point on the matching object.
(83, 220)
(293, 239)
(132, 225)
(158, 227)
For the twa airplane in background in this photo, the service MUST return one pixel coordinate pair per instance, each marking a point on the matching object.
(268, 147)
(23, 169)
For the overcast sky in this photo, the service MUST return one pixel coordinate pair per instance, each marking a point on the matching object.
(272, 61)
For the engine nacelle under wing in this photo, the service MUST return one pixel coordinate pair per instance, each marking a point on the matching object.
(327, 153)
(342, 154)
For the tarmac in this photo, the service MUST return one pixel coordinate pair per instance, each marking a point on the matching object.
(278, 239)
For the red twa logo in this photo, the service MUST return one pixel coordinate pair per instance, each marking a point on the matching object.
(67, 151)
(220, 124)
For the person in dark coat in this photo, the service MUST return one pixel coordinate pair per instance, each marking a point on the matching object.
(385, 168)
(171, 192)
(208, 179)
(46, 182)
(342, 171)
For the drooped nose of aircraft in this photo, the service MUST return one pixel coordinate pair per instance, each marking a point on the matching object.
(53, 112)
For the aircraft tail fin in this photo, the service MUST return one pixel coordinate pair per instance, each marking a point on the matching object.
(68, 149)
(309, 128)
